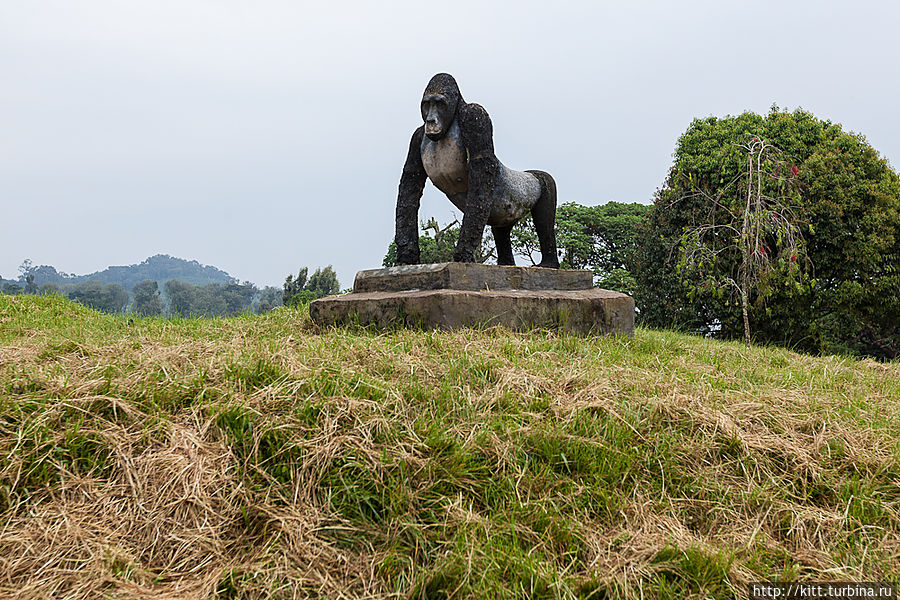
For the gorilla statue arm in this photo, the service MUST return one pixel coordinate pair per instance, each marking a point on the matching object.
(412, 183)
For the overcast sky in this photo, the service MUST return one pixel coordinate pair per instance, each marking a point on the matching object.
(263, 136)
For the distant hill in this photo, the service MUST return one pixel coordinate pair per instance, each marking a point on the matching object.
(160, 268)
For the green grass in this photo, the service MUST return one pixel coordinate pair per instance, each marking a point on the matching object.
(263, 456)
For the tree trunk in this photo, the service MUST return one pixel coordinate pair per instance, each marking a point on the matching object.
(746, 318)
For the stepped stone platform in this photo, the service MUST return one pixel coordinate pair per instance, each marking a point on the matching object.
(456, 295)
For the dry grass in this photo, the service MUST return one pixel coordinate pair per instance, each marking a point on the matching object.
(261, 457)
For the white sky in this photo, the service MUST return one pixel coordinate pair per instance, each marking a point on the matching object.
(264, 136)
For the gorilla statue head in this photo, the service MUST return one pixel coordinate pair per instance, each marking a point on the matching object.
(439, 105)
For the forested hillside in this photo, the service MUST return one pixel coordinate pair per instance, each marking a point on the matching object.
(159, 268)
(164, 285)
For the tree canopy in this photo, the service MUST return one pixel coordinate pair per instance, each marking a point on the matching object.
(160, 268)
(109, 298)
(302, 290)
(211, 300)
(846, 206)
(438, 244)
(146, 299)
(598, 238)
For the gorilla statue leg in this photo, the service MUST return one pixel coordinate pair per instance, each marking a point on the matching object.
(544, 215)
(504, 245)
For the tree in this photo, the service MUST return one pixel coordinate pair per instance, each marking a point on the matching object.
(324, 282)
(116, 298)
(11, 289)
(846, 203)
(182, 298)
(25, 268)
(439, 243)
(30, 286)
(299, 290)
(238, 297)
(598, 238)
(109, 298)
(293, 286)
(763, 234)
(269, 298)
(45, 274)
(146, 302)
(210, 300)
(27, 276)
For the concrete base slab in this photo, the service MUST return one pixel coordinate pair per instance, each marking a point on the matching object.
(590, 311)
(470, 276)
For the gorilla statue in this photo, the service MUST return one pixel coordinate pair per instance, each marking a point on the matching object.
(455, 149)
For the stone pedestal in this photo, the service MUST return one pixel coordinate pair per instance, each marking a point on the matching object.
(455, 295)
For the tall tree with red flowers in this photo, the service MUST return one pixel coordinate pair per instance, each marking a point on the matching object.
(762, 232)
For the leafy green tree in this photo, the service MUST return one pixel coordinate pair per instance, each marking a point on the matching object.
(181, 298)
(846, 297)
(11, 289)
(324, 282)
(439, 243)
(598, 238)
(27, 276)
(269, 298)
(146, 302)
(297, 291)
(302, 297)
(210, 300)
(293, 286)
(747, 251)
(109, 298)
(30, 286)
(238, 297)
(25, 268)
(117, 298)
(46, 274)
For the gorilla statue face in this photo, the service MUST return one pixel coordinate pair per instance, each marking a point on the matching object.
(439, 104)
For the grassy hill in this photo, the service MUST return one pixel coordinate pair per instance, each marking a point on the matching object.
(262, 456)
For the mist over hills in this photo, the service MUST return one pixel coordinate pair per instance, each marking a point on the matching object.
(164, 285)
(159, 268)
